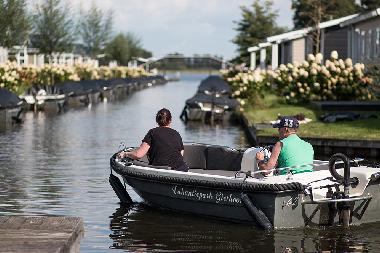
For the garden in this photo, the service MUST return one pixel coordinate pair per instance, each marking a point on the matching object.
(17, 79)
(294, 89)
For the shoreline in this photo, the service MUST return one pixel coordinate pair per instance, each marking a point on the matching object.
(322, 146)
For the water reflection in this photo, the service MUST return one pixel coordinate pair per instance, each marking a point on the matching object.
(142, 229)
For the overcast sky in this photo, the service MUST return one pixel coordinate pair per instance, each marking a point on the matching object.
(184, 26)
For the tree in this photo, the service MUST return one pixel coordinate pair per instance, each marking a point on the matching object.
(256, 25)
(123, 48)
(95, 29)
(305, 13)
(14, 23)
(53, 30)
(368, 5)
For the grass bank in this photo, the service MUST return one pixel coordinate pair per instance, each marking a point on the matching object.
(271, 106)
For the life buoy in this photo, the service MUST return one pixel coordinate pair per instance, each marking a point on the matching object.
(345, 179)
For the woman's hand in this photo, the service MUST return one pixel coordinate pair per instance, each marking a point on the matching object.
(122, 154)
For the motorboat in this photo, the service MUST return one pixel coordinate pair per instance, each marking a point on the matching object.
(205, 107)
(225, 183)
(212, 101)
(44, 98)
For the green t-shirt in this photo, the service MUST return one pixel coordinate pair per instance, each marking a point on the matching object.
(295, 152)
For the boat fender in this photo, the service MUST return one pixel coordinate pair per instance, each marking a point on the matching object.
(345, 179)
(256, 213)
(119, 189)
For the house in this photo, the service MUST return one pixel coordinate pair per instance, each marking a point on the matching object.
(3, 55)
(69, 59)
(296, 45)
(364, 37)
(26, 56)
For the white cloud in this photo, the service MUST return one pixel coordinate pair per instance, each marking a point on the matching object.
(186, 26)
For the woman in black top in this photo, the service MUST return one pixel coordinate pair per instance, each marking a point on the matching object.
(163, 144)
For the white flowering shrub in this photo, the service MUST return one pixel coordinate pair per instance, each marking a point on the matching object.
(336, 79)
(247, 85)
(17, 79)
(9, 76)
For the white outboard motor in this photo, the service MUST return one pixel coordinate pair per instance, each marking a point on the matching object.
(249, 163)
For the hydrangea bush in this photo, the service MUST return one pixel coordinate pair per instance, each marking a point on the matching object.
(16, 78)
(312, 80)
(247, 85)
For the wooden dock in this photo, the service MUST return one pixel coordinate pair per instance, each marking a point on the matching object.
(40, 234)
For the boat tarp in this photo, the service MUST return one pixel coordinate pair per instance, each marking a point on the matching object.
(214, 84)
(8, 99)
(220, 101)
(93, 86)
(71, 88)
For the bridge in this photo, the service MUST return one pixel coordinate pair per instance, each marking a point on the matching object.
(181, 62)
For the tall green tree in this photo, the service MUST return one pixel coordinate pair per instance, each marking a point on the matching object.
(257, 23)
(368, 5)
(14, 23)
(305, 13)
(124, 47)
(95, 28)
(53, 29)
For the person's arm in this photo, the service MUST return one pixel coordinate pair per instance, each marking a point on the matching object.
(272, 160)
(138, 153)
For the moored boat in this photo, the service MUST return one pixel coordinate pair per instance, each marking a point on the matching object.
(222, 183)
(10, 108)
(44, 98)
(212, 101)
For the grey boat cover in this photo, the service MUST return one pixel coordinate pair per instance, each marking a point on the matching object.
(8, 99)
(71, 88)
(214, 84)
(93, 86)
(344, 116)
(119, 81)
(221, 101)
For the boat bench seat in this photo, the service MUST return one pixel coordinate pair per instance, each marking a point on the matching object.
(208, 157)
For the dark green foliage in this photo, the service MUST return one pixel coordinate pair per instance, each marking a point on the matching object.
(368, 5)
(14, 23)
(53, 29)
(124, 47)
(95, 29)
(332, 9)
(256, 25)
(177, 61)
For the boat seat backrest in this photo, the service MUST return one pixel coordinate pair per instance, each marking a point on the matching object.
(223, 158)
(195, 156)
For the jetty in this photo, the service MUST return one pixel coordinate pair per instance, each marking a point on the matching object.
(19, 234)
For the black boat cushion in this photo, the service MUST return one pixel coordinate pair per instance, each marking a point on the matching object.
(195, 156)
(223, 158)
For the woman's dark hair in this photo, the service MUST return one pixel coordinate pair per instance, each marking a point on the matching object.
(163, 117)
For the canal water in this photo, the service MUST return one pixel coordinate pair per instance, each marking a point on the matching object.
(59, 165)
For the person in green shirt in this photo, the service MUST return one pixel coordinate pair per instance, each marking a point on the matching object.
(290, 152)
